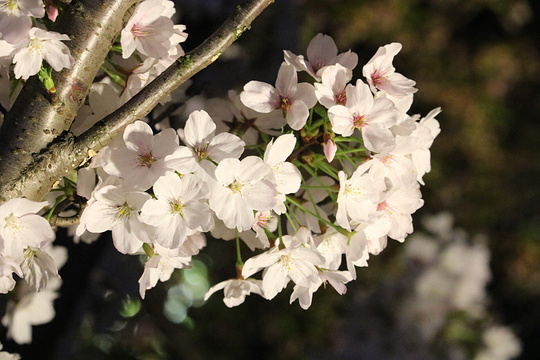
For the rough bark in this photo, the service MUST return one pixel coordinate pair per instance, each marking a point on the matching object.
(67, 152)
(37, 118)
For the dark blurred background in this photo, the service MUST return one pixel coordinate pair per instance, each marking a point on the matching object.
(477, 59)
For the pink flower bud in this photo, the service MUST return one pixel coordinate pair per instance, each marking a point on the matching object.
(329, 148)
(52, 11)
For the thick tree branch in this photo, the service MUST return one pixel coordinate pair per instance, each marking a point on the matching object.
(67, 152)
(37, 118)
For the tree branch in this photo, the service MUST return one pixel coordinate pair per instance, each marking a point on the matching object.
(37, 118)
(67, 153)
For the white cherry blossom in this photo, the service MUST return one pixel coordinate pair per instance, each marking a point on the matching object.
(180, 206)
(20, 227)
(236, 290)
(118, 210)
(292, 98)
(373, 117)
(41, 45)
(321, 52)
(286, 175)
(15, 18)
(151, 31)
(240, 189)
(141, 159)
(380, 73)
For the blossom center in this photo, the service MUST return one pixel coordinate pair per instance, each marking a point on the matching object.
(202, 152)
(263, 220)
(34, 44)
(177, 207)
(12, 5)
(139, 30)
(341, 97)
(124, 213)
(359, 121)
(146, 160)
(236, 187)
(285, 103)
(378, 77)
(13, 222)
(384, 206)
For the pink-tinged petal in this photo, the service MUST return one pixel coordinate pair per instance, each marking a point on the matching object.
(274, 280)
(233, 211)
(57, 55)
(348, 59)
(295, 60)
(260, 196)
(155, 212)
(215, 288)
(383, 114)
(192, 189)
(297, 115)
(110, 195)
(321, 51)
(305, 93)
(286, 80)
(278, 151)
(103, 99)
(21, 206)
(99, 217)
(137, 199)
(27, 63)
(359, 98)
(398, 85)
(199, 129)
(198, 217)
(227, 170)
(341, 120)
(378, 139)
(124, 239)
(260, 97)
(138, 137)
(252, 169)
(182, 160)
(164, 143)
(173, 233)
(127, 40)
(14, 28)
(225, 145)
(288, 178)
(35, 231)
(325, 95)
(168, 187)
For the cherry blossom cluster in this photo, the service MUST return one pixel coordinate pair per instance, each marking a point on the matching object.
(309, 173)
(25, 42)
(305, 174)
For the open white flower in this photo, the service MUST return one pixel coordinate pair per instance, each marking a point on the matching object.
(40, 45)
(240, 189)
(180, 206)
(116, 210)
(151, 31)
(21, 227)
(236, 290)
(286, 176)
(321, 52)
(373, 117)
(15, 18)
(140, 161)
(380, 73)
(292, 98)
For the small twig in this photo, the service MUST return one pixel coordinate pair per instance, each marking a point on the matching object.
(61, 221)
